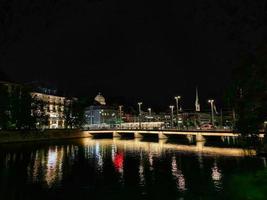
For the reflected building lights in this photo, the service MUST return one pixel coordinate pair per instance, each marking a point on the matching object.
(118, 159)
(150, 159)
(200, 160)
(118, 162)
(47, 167)
(7, 160)
(264, 162)
(141, 171)
(36, 166)
(54, 166)
(178, 176)
(99, 157)
(216, 176)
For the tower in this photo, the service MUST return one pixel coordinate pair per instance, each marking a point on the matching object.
(197, 105)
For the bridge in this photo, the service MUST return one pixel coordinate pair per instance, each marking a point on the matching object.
(198, 135)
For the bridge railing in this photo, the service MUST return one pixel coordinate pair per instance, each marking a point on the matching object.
(163, 129)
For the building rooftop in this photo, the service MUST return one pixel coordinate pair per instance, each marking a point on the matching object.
(100, 99)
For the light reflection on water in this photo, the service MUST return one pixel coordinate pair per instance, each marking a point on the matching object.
(178, 175)
(216, 176)
(145, 166)
(47, 167)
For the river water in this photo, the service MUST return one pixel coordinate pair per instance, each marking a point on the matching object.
(123, 169)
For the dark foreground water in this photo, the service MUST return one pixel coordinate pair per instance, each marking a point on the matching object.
(126, 169)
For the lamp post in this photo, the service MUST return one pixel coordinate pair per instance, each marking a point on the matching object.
(177, 110)
(149, 112)
(140, 113)
(120, 113)
(211, 101)
(171, 107)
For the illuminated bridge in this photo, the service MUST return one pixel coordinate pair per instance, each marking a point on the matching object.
(163, 134)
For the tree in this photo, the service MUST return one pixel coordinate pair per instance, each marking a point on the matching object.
(74, 113)
(249, 93)
(78, 108)
(38, 112)
(21, 108)
(4, 107)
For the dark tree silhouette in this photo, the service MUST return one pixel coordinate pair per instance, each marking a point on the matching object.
(249, 93)
(4, 107)
(74, 113)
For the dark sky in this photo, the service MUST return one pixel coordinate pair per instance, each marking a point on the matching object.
(138, 50)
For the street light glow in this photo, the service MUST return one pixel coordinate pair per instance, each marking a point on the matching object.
(211, 101)
(177, 97)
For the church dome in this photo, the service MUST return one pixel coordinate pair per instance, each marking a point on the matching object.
(100, 99)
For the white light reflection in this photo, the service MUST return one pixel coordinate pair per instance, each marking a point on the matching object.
(264, 162)
(47, 167)
(141, 171)
(178, 176)
(200, 160)
(216, 176)
(54, 166)
(99, 157)
(150, 159)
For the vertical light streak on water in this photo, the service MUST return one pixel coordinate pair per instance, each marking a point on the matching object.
(178, 176)
(200, 160)
(264, 162)
(36, 167)
(150, 159)
(99, 158)
(141, 170)
(54, 166)
(216, 176)
(118, 162)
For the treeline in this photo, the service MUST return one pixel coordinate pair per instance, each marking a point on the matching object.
(20, 111)
(248, 94)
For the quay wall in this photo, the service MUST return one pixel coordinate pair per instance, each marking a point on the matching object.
(27, 136)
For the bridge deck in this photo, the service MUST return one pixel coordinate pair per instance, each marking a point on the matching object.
(168, 132)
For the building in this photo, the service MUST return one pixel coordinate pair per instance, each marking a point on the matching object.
(99, 115)
(52, 105)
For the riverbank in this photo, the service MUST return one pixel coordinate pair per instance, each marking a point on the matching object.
(32, 135)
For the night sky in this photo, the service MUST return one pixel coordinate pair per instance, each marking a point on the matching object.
(131, 50)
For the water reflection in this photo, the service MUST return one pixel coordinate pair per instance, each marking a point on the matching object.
(264, 162)
(47, 167)
(216, 175)
(150, 159)
(141, 171)
(99, 157)
(141, 167)
(178, 175)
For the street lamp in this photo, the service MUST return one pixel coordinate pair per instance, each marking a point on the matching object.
(149, 111)
(149, 114)
(177, 110)
(120, 113)
(211, 101)
(140, 113)
(171, 107)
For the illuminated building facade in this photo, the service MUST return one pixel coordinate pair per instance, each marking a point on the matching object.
(100, 115)
(53, 107)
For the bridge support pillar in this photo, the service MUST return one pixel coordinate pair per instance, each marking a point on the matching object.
(115, 134)
(200, 137)
(190, 138)
(138, 135)
(87, 134)
(162, 142)
(162, 136)
(200, 145)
